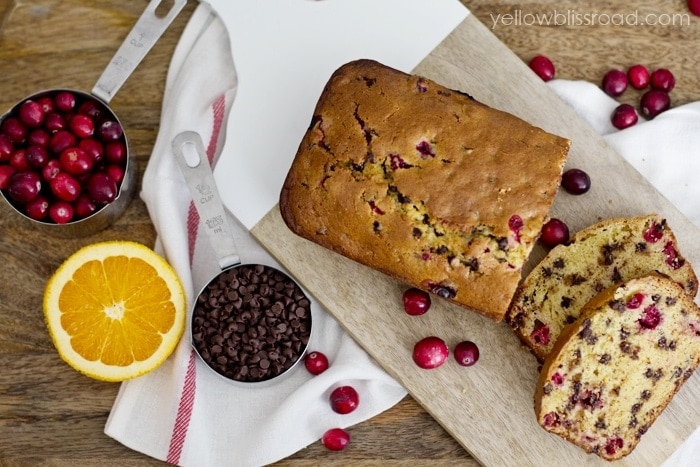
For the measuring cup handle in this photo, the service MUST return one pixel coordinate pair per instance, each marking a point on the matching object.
(137, 44)
(192, 159)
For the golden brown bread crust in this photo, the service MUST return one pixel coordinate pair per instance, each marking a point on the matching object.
(423, 183)
(608, 252)
(613, 371)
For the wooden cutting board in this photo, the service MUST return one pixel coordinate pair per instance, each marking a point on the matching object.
(488, 408)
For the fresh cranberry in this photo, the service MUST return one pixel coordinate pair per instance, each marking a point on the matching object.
(61, 212)
(46, 104)
(614, 82)
(543, 67)
(38, 208)
(24, 186)
(624, 116)
(61, 140)
(316, 362)
(82, 126)
(344, 399)
(554, 232)
(638, 76)
(84, 206)
(115, 172)
(416, 301)
(65, 187)
(663, 80)
(18, 160)
(466, 353)
(64, 101)
(102, 188)
(54, 122)
(94, 148)
(50, 170)
(6, 148)
(75, 161)
(115, 152)
(6, 171)
(336, 439)
(576, 181)
(694, 7)
(14, 129)
(36, 156)
(430, 352)
(651, 317)
(110, 130)
(31, 113)
(92, 109)
(38, 137)
(653, 102)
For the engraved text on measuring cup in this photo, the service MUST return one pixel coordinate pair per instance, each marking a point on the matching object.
(205, 191)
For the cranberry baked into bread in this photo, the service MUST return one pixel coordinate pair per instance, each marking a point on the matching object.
(613, 371)
(597, 257)
(423, 183)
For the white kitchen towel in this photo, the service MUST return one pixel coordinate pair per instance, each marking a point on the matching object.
(182, 413)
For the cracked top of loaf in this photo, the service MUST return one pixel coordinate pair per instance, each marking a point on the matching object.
(423, 183)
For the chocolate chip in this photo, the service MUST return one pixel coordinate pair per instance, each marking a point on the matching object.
(251, 323)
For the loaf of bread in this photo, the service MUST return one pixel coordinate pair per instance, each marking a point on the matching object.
(423, 183)
(615, 369)
(609, 252)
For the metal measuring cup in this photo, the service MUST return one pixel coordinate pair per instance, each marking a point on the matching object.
(251, 323)
(145, 33)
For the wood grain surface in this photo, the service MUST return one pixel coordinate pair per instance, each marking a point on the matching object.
(51, 415)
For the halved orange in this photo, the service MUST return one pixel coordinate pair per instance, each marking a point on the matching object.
(115, 310)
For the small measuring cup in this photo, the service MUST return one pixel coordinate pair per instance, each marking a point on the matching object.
(145, 33)
(251, 323)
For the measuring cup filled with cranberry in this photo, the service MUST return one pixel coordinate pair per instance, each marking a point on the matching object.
(65, 164)
(251, 323)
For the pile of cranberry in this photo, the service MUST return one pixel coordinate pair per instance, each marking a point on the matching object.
(343, 400)
(432, 351)
(656, 86)
(656, 99)
(63, 156)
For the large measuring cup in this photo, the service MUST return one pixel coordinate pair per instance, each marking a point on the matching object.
(47, 128)
(251, 323)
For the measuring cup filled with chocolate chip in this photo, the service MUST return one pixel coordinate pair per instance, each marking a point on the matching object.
(251, 323)
(65, 163)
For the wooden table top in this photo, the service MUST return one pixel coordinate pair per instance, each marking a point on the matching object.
(49, 413)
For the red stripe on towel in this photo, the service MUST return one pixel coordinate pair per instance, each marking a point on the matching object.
(218, 107)
(187, 396)
(184, 412)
